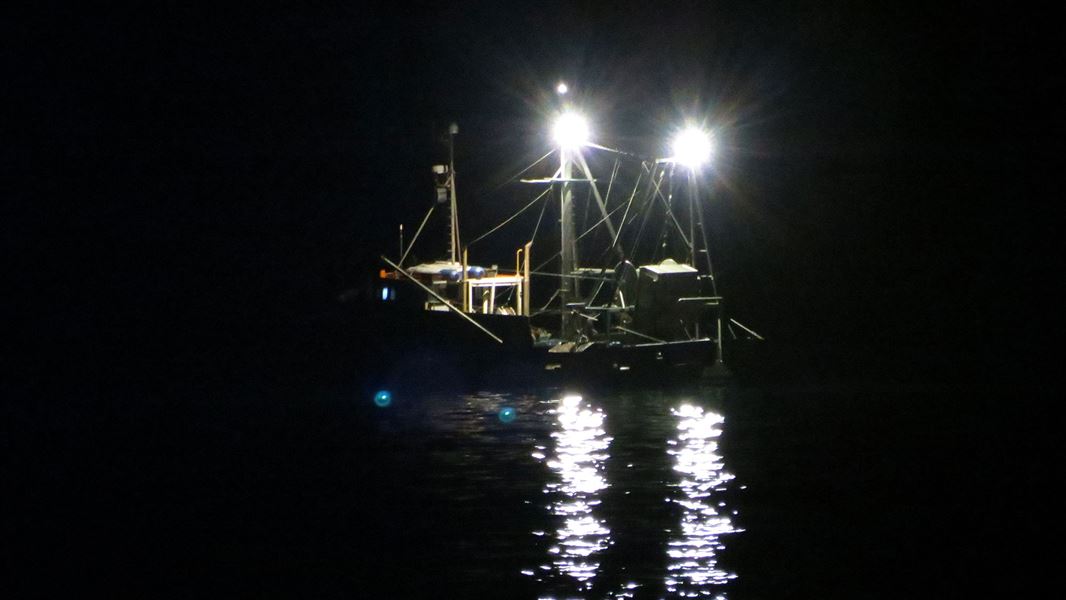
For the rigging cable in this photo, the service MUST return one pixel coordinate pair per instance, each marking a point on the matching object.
(706, 248)
(587, 231)
(508, 219)
(536, 227)
(606, 218)
(520, 173)
(653, 187)
(415, 239)
(617, 234)
(549, 302)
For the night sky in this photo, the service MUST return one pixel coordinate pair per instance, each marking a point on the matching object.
(190, 188)
(205, 177)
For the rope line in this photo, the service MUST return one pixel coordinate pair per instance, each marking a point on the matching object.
(508, 219)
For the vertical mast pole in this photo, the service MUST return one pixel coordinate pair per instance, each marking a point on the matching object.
(568, 260)
(454, 223)
(692, 218)
(710, 273)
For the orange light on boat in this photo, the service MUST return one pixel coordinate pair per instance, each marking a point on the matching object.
(384, 274)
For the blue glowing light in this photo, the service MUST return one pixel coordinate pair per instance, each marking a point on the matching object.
(508, 414)
(383, 398)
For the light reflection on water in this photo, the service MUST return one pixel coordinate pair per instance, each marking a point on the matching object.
(692, 569)
(580, 454)
(564, 458)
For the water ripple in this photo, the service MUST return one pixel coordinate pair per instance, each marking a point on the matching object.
(692, 569)
(580, 453)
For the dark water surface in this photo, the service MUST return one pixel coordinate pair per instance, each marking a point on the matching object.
(312, 490)
(846, 491)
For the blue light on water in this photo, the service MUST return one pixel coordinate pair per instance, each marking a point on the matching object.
(508, 414)
(383, 398)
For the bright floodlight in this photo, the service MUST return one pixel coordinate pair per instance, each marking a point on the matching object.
(561, 88)
(571, 130)
(693, 148)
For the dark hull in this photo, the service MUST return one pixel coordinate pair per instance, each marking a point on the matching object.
(438, 349)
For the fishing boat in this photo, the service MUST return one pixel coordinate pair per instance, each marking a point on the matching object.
(627, 291)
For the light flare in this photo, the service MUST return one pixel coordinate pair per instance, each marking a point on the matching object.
(693, 147)
(571, 130)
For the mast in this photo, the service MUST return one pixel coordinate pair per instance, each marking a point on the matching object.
(568, 260)
(453, 224)
(692, 218)
(571, 133)
(698, 209)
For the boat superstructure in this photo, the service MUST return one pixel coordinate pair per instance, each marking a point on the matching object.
(628, 287)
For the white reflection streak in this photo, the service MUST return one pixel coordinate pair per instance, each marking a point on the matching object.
(692, 566)
(580, 455)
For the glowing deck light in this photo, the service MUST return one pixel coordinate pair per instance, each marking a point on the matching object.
(383, 398)
(562, 88)
(693, 147)
(571, 130)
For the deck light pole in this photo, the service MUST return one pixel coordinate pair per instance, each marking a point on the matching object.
(693, 148)
(571, 131)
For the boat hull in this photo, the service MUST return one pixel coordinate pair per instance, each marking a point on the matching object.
(441, 349)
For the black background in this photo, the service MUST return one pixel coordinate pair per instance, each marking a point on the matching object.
(194, 185)
(207, 171)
